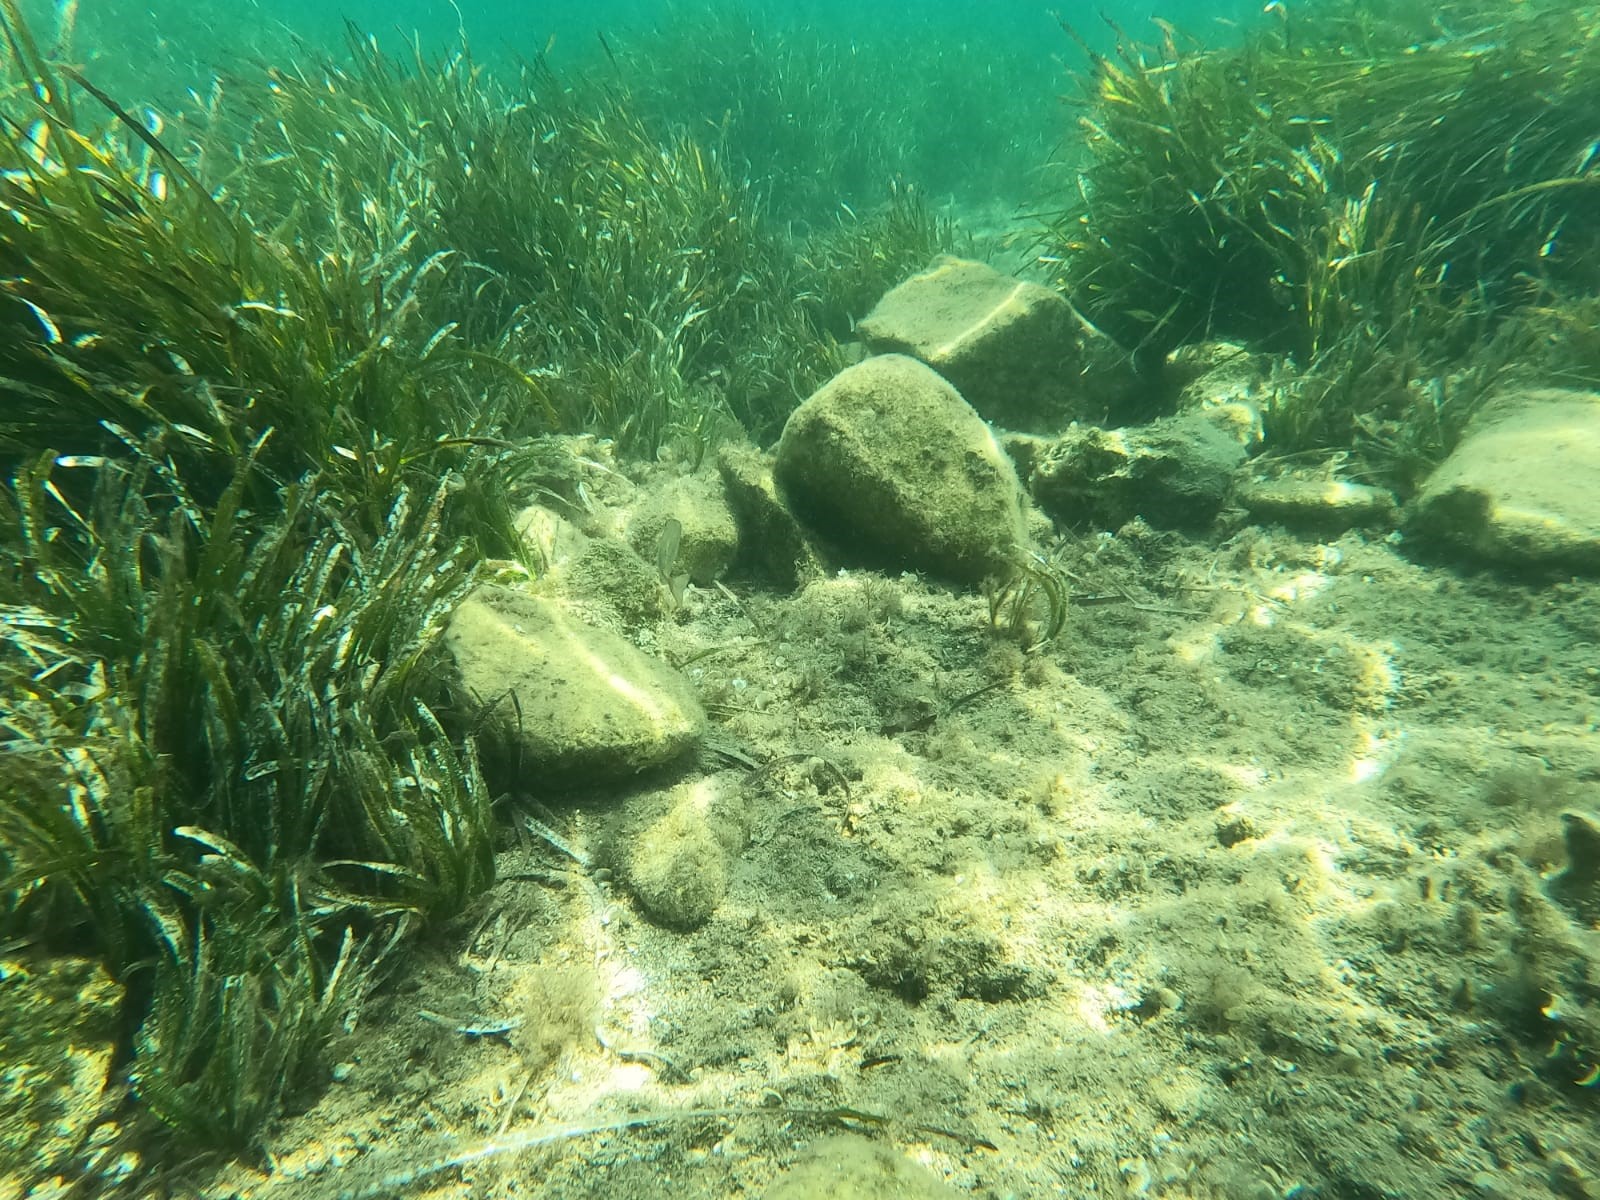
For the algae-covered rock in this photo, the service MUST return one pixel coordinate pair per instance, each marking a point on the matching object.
(890, 465)
(613, 584)
(549, 539)
(1194, 361)
(1175, 473)
(1212, 374)
(848, 1167)
(1578, 884)
(59, 1028)
(678, 869)
(1523, 486)
(708, 538)
(570, 702)
(1016, 351)
(771, 543)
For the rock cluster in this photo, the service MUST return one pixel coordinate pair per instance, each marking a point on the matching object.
(893, 465)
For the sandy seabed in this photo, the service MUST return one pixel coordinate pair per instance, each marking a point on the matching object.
(1242, 888)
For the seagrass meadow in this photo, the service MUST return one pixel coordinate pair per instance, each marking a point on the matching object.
(1399, 199)
(274, 370)
(275, 366)
(290, 342)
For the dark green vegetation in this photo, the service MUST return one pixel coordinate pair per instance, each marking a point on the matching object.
(274, 368)
(273, 371)
(1404, 201)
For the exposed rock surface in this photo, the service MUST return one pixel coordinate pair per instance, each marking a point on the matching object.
(1578, 885)
(1205, 374)
(1523, 487)
(1318, 506)
(588, 707)
(1016, 351)
(1175, 473)
(771, 542)
(890, 465)
(609, 583)
(549, 539)
(677, 868)
(61, 1025)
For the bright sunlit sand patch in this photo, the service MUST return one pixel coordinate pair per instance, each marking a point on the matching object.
(1377, 756)
(1302, 587)
(1099, 1004)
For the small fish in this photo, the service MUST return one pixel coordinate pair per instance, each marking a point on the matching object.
(469, 1028)
(37, 139)
(51, 330)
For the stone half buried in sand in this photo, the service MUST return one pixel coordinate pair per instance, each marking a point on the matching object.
(1523, 487)
(850, 1167)
(570, 704)
(1577, 886)
(707, 533)
(772, 545)
(676, 865)
(1016, 351)
(895, 471)
(1316, 504)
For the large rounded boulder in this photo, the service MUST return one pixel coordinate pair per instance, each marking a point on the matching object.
(894, 470)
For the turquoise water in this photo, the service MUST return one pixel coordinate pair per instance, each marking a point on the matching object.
(160, 42)
(959, 101)
(1234, 860)
(1016, 23)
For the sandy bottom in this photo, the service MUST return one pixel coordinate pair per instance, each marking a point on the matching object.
(1249, 886)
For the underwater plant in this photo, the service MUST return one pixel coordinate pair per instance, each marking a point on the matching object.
(274, 369)
(223, 765)
(816, 117)
(1368, 195)
(238, 507)
(597, 265)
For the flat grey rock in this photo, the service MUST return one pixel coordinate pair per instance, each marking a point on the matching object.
(1175, 473)
(1318, 505)
(1016, 351)
(573, 703)
(1523, 486)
